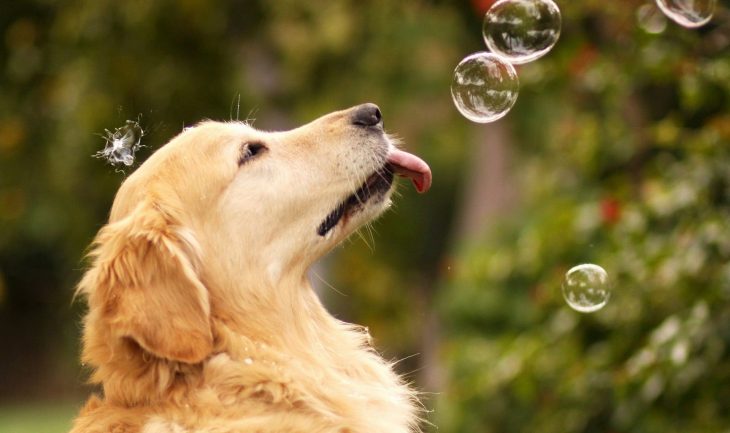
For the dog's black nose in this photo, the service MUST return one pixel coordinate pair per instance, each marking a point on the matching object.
(367, 115)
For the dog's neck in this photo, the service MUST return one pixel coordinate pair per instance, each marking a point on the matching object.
(286, 315)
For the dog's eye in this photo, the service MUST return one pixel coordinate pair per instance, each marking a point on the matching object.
(250, 151)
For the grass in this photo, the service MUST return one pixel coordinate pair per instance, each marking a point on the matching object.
(37, 418)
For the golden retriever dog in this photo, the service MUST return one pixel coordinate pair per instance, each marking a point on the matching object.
(201, 318)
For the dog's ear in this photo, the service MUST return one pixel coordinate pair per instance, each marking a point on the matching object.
(144, 284)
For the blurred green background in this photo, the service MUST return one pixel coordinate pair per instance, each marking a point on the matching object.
(616, 153)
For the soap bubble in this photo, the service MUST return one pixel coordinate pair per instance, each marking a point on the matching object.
(586, 288)
(651, 19)
(521, 30)
(122, 144)
(485, 87)
(688, 13)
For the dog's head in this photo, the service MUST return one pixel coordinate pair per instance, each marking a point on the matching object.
(223, 204)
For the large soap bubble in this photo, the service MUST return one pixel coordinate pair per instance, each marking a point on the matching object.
(521, 30)
(586, 288)
(688, 13)
(484, 87)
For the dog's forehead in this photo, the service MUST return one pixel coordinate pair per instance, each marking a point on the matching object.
(206, 141)
(212, 133)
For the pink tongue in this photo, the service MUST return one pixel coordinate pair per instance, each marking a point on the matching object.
(411, 166)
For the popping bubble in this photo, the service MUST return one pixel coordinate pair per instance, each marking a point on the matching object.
(688, 13)
(485, 87)
(586, 288)
(521, 30)
(651, 19)
(122, 144)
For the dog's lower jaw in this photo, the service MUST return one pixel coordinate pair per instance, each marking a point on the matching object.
(352, 221)
(375, 190)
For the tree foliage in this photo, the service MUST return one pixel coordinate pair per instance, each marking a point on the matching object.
(623, 161)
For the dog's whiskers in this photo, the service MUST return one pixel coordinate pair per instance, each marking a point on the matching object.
(370, 228)
(327, 283)
(360, 235)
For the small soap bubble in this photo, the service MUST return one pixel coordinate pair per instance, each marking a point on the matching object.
(586, 288)
(484, 87)
(521, 30)
(121, 144)
(651, 19)
(688, 13)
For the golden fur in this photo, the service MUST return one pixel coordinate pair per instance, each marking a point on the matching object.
(201, 318)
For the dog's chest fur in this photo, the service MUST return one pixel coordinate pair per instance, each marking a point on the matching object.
(255, 387)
